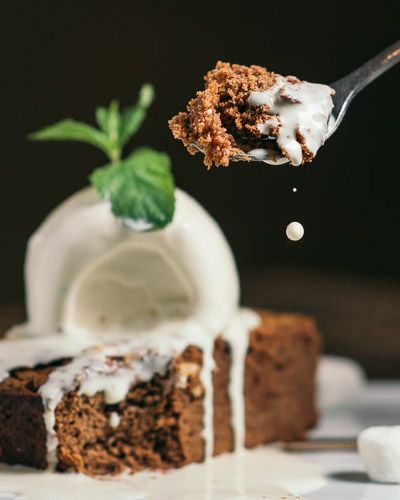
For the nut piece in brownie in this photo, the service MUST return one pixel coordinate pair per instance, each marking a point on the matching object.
(248, 110)
(159, 424)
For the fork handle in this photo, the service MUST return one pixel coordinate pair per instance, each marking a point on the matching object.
(369, 71)
(350, 85)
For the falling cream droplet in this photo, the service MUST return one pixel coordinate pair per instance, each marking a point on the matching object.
(295, 231)
(294, 190)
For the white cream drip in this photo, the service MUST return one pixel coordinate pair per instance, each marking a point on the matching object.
(295, 231)
(206, 379)
(153, 352)
(114, 420)
(92, 374)
(305, 110)
(237, 335)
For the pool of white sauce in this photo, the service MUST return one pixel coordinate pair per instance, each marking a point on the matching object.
(262, 473)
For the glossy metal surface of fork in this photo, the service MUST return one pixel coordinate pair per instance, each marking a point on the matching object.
(349, 86)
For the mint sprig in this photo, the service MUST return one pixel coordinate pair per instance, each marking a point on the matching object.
(140, 187)
(71, 130)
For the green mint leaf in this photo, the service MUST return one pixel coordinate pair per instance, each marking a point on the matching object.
(146, 95)
(140, 189)
(71, 130)
(113, 130)
(133, 117)
(109, 120)
(102, 118)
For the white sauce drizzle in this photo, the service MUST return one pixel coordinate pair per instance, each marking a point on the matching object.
(306, 111)
(153, 352)
(295, 231)
(114, 420)
(238, 337)
(206, 378)
(92, 374)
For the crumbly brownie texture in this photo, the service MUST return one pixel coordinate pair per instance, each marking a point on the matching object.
(161, 421)
(280, 377)
(220, 120)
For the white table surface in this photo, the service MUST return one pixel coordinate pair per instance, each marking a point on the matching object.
(379, 404)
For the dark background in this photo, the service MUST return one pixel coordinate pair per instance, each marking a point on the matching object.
(61, 59)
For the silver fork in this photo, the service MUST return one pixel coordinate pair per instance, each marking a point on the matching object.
(349, 86)
(345, 90)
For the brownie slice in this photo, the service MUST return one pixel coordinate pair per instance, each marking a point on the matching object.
(22, 429)
(159, 424)
(279, 378)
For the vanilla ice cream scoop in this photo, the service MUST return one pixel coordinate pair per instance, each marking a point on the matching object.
(86, 271)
